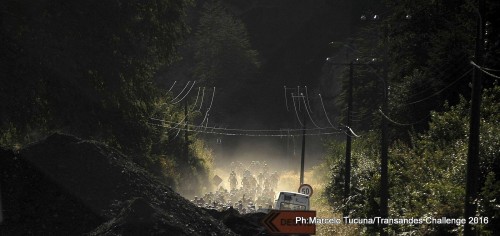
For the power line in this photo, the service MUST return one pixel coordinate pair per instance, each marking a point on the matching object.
(308, 108)
(176, 135)
(442, 72)
(202, 97)
(187, 84)
(296, 113)
(307, 97)
(440, 77)
(484, 70)
(246, 130)
(299, 94)
(402, 124)
(352, 132)
(328, 119)
(175, 127)
(172, 86)
(438, 92)
(192, 85)
(489, 69)
(206, 121)
(309, 114)
(209, 107)
(349, 131)
(246, 134)
(286, 100)
(326, 115)
(196, 101)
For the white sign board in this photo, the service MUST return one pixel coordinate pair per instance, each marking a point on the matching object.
(306, 189)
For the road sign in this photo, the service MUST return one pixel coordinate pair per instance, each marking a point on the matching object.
(290, 222)
(306, 189)
(217, 180)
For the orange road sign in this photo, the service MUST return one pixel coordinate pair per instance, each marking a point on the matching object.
(290, 222)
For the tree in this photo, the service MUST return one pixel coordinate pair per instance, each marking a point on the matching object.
(224, 57)
(427, 179)
(85, 67)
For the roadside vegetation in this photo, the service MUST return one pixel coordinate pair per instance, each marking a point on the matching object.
(423, 55)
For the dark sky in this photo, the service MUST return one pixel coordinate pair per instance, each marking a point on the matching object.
(292, 38)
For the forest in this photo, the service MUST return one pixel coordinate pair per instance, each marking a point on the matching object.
(420, 60)
(106, 70)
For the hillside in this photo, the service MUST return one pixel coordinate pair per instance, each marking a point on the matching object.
(67, 186)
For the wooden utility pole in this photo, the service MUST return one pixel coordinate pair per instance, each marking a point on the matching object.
(347, 167)
(384, 161)
(471, 187)
(347, 176)
(302, 156)
(384, 142)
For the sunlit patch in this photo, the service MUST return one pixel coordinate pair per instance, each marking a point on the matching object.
(289, 180)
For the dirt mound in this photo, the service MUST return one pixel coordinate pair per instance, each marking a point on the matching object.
(246, 224)
(67, 186)
(33, 204)
(140, 218)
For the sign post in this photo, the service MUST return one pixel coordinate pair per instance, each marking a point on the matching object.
(217, 180)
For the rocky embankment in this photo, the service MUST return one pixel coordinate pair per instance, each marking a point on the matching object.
(67, 186)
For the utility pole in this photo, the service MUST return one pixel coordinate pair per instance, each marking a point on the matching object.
(347, 177)
(347, 167)
(471, 188)
(384, 144)
(303, 146)
(384, 178)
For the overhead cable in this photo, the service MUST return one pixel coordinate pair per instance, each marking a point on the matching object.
(307, 98)
(489, 69)
(484, 70)
(402, 124)
(299, 94)
(196, 101)
(309, 114)
(209, 107)
(286, 100)
(192, 85)
(175, 127)
(172, 86)
(296, 113)
(328, 119)
(176, 135)
(326, 115)
(350, 131)
(441, 76)
(202, 97)
(248, 135)
(248, 130)
(438, 92)
(187, 84)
